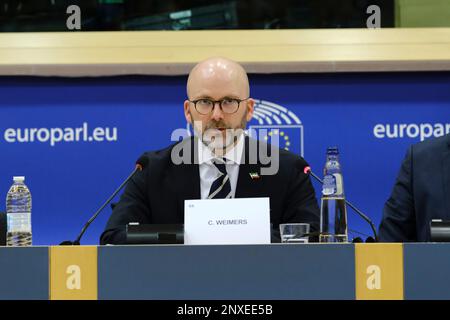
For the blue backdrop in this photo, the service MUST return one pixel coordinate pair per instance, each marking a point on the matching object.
(75, 140)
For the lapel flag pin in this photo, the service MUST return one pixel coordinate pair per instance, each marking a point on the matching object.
(254, 175)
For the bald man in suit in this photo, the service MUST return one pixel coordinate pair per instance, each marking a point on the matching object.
(219, 161)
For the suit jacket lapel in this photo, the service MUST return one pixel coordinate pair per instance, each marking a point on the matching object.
(247, 186)
(185, 177)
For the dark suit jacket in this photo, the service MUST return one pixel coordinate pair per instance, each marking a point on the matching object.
(3, 228)
(156, 195)
(421, 193)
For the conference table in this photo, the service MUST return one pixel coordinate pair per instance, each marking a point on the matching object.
(362, 271)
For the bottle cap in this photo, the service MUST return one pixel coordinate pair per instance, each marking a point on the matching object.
(19, 179)
(333, 150)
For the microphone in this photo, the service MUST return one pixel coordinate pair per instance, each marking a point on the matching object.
(307, 170)
(141, 163)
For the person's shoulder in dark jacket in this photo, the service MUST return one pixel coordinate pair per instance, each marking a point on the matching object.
(419, 175)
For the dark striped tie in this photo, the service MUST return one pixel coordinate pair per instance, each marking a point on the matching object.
(221, 187)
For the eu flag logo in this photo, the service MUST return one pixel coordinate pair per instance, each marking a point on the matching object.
(277, 126)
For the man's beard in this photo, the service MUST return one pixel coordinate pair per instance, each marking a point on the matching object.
(218, 136)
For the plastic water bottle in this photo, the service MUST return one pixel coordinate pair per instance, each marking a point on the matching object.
(333, 211)
(18, 209)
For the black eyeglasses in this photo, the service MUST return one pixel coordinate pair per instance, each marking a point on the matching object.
(227, 105)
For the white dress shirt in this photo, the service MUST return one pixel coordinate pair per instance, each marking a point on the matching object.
(208, 171)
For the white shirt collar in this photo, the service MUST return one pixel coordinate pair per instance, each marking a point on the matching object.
(233, 155)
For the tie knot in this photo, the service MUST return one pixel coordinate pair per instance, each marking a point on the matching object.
(220, 165)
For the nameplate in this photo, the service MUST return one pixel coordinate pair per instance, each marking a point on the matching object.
(227, 221)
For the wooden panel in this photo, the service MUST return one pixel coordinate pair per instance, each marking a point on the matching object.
(174, 52)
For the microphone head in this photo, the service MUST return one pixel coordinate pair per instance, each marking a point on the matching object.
(307, 170)
(142, 162)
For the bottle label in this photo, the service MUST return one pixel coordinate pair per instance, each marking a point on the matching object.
(19, 222)
(332, 185)
(329, 185)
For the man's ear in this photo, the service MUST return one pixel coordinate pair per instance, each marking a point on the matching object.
(187, 114)
(250, 109)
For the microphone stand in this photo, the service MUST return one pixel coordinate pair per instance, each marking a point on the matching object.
(77, 241)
